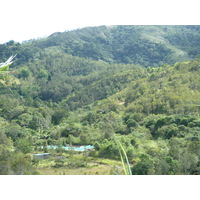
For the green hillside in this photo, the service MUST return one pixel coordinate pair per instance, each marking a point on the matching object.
(93, 86)
(144, 45)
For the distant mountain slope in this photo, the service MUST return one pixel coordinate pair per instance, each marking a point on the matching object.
(157, 35)
(144, 45)
(129, 44)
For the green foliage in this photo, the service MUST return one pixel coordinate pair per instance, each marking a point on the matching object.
(43, 74)
(24, 73)
(87, 97)
(58, 116)
(15, 163)
(145, 45)
(144, 166)
(24, 145)
(21, 165)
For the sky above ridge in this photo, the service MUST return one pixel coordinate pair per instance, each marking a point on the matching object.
(22, 20)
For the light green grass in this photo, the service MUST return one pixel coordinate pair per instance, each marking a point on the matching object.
(94, 166)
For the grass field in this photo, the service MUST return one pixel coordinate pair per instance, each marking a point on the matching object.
(78, 164)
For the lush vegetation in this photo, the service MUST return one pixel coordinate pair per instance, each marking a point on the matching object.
(87, 87)
(144, 45)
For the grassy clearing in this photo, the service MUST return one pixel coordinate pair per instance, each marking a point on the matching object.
(78, 164)
(98, 170)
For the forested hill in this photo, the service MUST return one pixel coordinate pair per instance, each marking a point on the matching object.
(144, 45)
(154, 112)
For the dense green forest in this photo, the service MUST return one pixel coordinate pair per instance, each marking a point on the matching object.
(138, 85)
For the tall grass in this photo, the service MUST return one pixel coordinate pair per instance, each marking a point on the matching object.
(124, 159)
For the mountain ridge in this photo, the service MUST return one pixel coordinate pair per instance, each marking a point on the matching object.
(127, 33)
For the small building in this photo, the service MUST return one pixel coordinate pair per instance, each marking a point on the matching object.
(42, 155)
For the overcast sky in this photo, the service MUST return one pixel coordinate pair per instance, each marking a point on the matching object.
(27, 19)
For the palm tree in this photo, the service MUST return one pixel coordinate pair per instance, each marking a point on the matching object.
(5, 66)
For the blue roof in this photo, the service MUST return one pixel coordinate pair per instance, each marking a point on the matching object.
(74, 148)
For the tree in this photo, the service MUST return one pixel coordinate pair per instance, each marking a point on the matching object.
(4, 69)
(58, 115)
(24, 145)
(24, 73)
(144, 167)
(43, 74)
(5, 156)
(21, 165)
